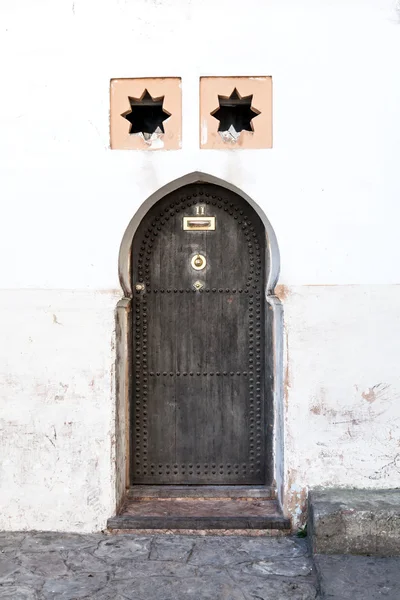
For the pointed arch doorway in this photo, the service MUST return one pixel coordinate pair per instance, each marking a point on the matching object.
(201, 348)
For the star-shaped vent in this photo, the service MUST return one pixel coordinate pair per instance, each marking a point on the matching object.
(146, 115)
(234, 115)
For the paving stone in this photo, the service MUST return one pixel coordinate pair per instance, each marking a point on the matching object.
(150, 568)
(17, 593)
(73, 587)
(345, 577)
(112, 591)
(238, 550)
(47, 564)
(254, 588)
(83, 560)
(292, 567)
(24, 577)
(273, 547)
(8, 566)
(108, 595)
(10, 542)
(192, 588)
(171, 548)
(123, 547)
(212, 571)
(45, 542)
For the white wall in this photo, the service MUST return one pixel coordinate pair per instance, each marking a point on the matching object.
(330, 187)
(342, 400)
(57, 409)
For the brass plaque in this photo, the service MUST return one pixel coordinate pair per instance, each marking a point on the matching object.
(199, 223)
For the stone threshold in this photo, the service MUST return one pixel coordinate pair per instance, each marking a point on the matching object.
(200, 514)
(202, 491)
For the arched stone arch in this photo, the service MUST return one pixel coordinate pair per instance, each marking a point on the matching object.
(123, 359)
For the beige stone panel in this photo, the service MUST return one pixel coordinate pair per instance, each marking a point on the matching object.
(123, 89)
(261, 90)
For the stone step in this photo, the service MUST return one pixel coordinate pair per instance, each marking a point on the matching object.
(202, 491)
(365, 522)
(199, 514)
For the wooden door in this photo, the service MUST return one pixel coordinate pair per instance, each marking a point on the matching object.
(198, 335)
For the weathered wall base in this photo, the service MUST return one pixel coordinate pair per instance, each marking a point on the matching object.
(354, 522)
(342, 389)
(58, 412)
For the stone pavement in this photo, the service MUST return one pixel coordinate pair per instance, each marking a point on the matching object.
(44, 566)
(348, 577)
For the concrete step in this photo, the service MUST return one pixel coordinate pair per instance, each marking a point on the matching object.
(199, 514)
(365, 522)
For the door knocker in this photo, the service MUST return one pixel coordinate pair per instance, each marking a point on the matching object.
(198, 262)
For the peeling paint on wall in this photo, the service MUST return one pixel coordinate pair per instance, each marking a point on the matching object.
(295, 503)
(57, 429)
(376, 392)
(341, 433)
(282, 291)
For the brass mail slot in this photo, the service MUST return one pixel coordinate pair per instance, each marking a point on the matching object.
(199, 223)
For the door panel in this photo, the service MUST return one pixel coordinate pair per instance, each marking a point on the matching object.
(198, 414)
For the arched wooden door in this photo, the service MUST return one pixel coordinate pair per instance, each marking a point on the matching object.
(198, 334)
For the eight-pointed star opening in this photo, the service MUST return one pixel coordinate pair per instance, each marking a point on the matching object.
(235, 115)
(146, 115)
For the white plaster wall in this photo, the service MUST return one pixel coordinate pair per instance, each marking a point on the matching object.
(342, 396)
(330, 187)
(57, 410)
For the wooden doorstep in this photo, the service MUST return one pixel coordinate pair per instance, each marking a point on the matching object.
(201, 491)
(200, 513)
